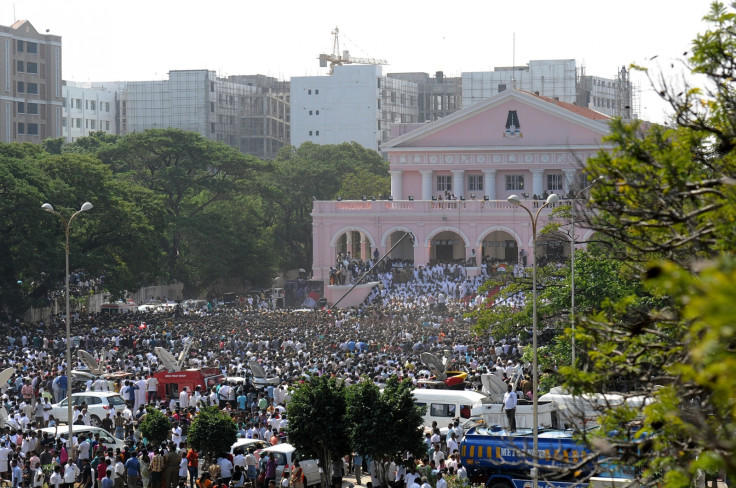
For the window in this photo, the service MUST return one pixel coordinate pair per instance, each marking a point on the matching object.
(20, 66)
(310, 112)
(21, 45)
(86, 104)
(32, 88)
(93, 105)
(475, 183)
(514, 182)
(212, 127)
(316, 112)
(316, 133)
(77, 123)
(107, 125)
(63, 102)
(501, 87)
(21, 87)
(93, 124)
(442, 410)
(310, 132)
(63, 122)
(31, 48)
(309, 92)
(212, 107)
(33, 129)
(444, 183)
(86, 123)
(21, 107)
(32, 68)
(554, 182)
(21, 128)
(316, 92)
(33, 108)
(79, 103)
(107, 106)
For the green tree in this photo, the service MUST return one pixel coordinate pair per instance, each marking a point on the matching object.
(317, 419)
(155, 426)
(321, 172)
(212, 433)
(667, 202)
(194, 178)
(384, 425)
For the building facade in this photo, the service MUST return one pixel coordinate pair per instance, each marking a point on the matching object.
(236, 111)
(86, 109)
(437, 96)
(356, 103)
(450, 181)
(30, 84)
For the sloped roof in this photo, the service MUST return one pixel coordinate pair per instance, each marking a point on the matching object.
(585, 112)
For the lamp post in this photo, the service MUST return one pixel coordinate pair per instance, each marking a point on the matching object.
(48, 208)
(572, 267)
(515, 200)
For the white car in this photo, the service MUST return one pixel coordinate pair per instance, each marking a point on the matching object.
(244, 444)
(99, 404)
(107, 439)
(285, 455)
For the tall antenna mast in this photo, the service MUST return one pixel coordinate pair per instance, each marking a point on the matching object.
(513, 62)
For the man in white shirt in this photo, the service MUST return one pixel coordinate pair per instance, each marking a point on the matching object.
(152, 387)
(184, 398)
(509, 405)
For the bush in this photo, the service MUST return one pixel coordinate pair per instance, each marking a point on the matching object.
(212, 432)
(155, 426)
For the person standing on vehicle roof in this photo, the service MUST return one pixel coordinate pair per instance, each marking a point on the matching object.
(509, 405)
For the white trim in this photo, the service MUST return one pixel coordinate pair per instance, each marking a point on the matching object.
(446, 228)
(597, 125)
(498, 228)
(338, 234)
(394, 229)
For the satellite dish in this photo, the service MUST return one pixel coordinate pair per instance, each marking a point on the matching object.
(183, 354)
(167, 359)
(493, 386)
(5, 376)
(257, 369)
(435, 365)
(89, 361)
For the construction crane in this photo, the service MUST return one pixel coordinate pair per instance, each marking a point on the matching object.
(336, 58)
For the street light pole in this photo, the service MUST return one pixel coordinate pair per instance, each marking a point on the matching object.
(48, 208)
(515, 200)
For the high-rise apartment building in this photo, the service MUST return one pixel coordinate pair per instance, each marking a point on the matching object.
(237, 111)
(356, 103)
(30, 84)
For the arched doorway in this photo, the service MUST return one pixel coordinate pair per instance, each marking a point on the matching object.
(447, 247)
(552, 247)
(404, 252)
(500, 247)
(356, 242)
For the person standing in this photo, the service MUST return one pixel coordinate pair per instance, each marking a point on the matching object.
(509, 405)
(172, 461)
(132, 470)
(192, 466)
(297, 476)
(152, 387)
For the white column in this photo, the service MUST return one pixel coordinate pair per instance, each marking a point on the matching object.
(569, 180)
(397, 181)
(426, 184)
(537, 181)
(489, 183)
(458, 182)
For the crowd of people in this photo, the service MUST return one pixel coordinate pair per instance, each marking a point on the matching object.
(381, 338)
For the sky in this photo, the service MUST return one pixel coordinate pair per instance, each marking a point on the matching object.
(133, 40)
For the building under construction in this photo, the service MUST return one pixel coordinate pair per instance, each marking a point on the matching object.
(250, 113)
(437, 96)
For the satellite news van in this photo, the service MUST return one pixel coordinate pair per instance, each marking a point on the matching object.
(173, 378)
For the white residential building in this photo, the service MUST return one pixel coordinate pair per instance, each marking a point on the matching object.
(86, 109)
(356, 103)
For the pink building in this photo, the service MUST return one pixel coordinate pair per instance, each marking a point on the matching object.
(514, 143)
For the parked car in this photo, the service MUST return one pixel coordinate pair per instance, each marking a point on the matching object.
(107, 439)
(285, 455)
(246, 444)
(99, 404)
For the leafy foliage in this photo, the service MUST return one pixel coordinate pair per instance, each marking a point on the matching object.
(155, 426)
(370, 411)
(317, 419)
(212, 432)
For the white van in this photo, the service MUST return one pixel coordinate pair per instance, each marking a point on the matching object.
(443, 406)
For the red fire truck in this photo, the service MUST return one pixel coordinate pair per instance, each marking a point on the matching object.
(171, 383)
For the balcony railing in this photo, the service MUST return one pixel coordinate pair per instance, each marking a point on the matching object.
(422, 206)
